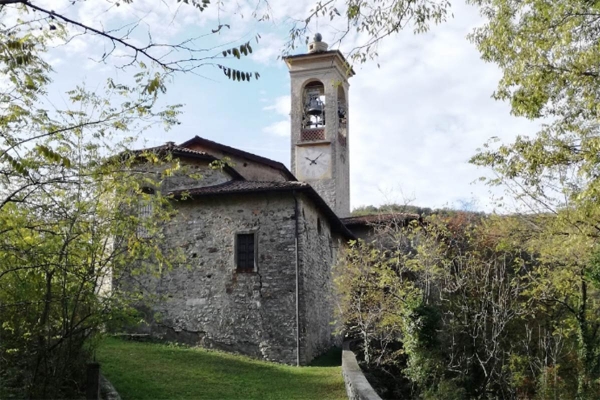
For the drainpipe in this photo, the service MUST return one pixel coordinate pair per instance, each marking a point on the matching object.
(297, 218)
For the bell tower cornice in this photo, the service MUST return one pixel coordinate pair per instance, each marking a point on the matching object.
(312, 62)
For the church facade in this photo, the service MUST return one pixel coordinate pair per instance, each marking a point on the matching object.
(260, 240)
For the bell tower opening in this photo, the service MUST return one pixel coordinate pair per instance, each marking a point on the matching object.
(313, 118)
(342, 114)
(319, 140)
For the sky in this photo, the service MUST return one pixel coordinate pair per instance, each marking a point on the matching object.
(417, 113)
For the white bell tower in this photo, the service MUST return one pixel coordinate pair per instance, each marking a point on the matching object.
(320, 135)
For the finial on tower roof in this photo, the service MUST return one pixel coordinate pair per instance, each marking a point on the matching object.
(317, 45)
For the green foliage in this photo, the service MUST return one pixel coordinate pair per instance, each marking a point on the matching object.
(373, 20)
(548, 54)
(395, 208)
(466, 306)
(69, 220)
(391, 208)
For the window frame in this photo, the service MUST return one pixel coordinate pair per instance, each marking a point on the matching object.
(236, 251)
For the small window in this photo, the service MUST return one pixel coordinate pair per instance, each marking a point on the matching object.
(319, 225)
(145, 211)
(245, 252)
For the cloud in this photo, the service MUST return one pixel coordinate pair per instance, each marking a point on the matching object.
(416, 121)
(281, 128)
(268, 50)
(281, 108)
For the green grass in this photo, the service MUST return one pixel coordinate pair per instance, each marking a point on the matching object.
(161, 371)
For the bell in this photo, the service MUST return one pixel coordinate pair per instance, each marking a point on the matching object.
(341, 111)
(315, 107)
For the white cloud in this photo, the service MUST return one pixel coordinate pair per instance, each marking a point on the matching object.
(268, 49)
(416, 121)
(281, 108)
(281, 128)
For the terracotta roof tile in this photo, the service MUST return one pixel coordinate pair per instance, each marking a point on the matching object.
(171, 146)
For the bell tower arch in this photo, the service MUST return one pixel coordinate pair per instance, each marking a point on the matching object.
(319, 118)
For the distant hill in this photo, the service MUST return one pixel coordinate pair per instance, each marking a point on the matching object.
(408, 209)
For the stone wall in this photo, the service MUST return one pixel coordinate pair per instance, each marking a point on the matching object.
(357, 386)
(318, 253)
(207, 301)
(194, 173)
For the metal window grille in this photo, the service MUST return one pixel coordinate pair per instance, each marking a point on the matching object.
(144, 214)
(245, 251)
(312, 135)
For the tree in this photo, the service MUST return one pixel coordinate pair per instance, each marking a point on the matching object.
(371, 20)
(69, 198)
(462, 307)
(183, 56)
(548, 55)
(67, 216)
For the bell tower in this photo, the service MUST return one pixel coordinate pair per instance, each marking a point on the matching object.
(320, 139)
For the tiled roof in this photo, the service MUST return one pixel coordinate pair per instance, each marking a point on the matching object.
(179, 151)
(240, 153)
(379, 219)
(242, 187)
(172, 147)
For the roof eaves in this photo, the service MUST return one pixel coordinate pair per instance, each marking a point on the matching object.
(241, 153)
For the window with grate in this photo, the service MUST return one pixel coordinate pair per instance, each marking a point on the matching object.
(245, 252)
(145, 211)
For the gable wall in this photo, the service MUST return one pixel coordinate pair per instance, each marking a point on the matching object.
(207, 302)
(192, 174)
(251, 170)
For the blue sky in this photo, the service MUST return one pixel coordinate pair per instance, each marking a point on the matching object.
(414, 121)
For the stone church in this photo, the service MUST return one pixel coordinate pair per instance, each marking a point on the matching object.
(260, 240)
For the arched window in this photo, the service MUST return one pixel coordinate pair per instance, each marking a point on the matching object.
(313, 112)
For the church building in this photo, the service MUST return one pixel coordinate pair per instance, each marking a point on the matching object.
(260, 240)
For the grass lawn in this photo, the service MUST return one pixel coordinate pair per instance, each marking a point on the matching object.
(161, 371)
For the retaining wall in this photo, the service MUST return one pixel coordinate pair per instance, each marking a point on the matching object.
(357, 386)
